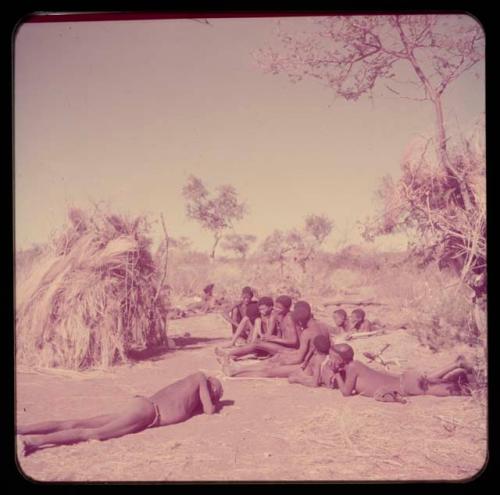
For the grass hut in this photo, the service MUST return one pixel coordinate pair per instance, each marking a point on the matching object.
(91, 297)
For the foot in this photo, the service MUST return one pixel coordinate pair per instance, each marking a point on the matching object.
(27, 447)
(463, 363)
(219, 352)
(229, 369)
(223, 358)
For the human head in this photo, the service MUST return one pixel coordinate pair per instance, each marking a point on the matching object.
(283, 304)
(209, 289)
(339, 316)
(301, 313)
(215, 388)
(265, 305)
(342, 354)
(357, 316)
(246, 294)
(322, 344)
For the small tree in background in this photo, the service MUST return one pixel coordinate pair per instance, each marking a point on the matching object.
(238, 243)
(307, 241)
(214, 213)
(275, 248)
(299, 245)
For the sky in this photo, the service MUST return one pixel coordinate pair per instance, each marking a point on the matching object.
(123, 112)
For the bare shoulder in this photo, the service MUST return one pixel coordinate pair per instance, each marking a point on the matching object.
(198, 377)
(355, 366)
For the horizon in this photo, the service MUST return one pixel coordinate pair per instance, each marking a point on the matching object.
(97, 123)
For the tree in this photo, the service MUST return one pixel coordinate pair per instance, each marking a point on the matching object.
(307, 241)
(275, 247)
(298, 244)
(214, 213)
(238, 243)
(354, 53)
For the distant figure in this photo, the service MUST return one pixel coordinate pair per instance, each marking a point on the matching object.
(287, 360)
(257, 323)
(354, 377)
(281, 323)
(174, 403)
(207, 302)
(358, 322)
(239, 310)
(341, 321)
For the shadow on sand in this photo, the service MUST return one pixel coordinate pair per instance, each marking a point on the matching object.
(181, 343)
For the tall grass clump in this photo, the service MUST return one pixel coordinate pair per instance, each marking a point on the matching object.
(91, 296)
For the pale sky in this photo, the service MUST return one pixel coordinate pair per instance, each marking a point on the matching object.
(124, 111)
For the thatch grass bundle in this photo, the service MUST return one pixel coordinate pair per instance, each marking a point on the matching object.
(92, 297)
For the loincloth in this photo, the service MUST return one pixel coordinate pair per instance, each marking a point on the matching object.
(157, 418)
(411, 382)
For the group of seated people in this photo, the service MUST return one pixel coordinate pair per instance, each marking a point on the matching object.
(296, 345)
(301, 348)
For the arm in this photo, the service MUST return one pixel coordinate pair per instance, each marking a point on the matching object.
(308, 357)
(206, 400)
(348, 385)
(256, 330)
(290, 335)
(305, 379)
(271, 326)
(229, 316)
(296, 357)
(366, 326)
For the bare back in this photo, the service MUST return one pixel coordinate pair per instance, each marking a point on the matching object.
(367, 380)
(314, 328)
(180, 400)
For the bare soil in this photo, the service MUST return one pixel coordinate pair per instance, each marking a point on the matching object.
(268, 429)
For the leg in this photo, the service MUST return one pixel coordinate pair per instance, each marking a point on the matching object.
(235, 316)
(243, 325)
(268, 347)
(442, 389)
(136, 417)
(52, 426)
(262, 372)
(459, 363)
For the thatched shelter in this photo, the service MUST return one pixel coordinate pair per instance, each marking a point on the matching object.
(92, 297)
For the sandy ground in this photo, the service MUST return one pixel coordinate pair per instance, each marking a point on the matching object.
(267, 429)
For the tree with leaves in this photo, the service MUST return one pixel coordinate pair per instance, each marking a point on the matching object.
(238, 243)
(354, 55)
(299, 245)
(215, 213)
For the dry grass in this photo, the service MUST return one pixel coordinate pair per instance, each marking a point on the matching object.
(91, 297)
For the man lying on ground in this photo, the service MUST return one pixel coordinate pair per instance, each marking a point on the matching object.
(287, 360)
(341, 321)
(358, 322)
(354, 377)
(287, 338)
(174, 403)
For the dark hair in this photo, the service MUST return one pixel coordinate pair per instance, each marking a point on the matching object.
(322, 344)
(340, 312)
(247, 291)
(345, 351)
(301, 312)
(285, 301)
(359, 312)
(266, 301)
